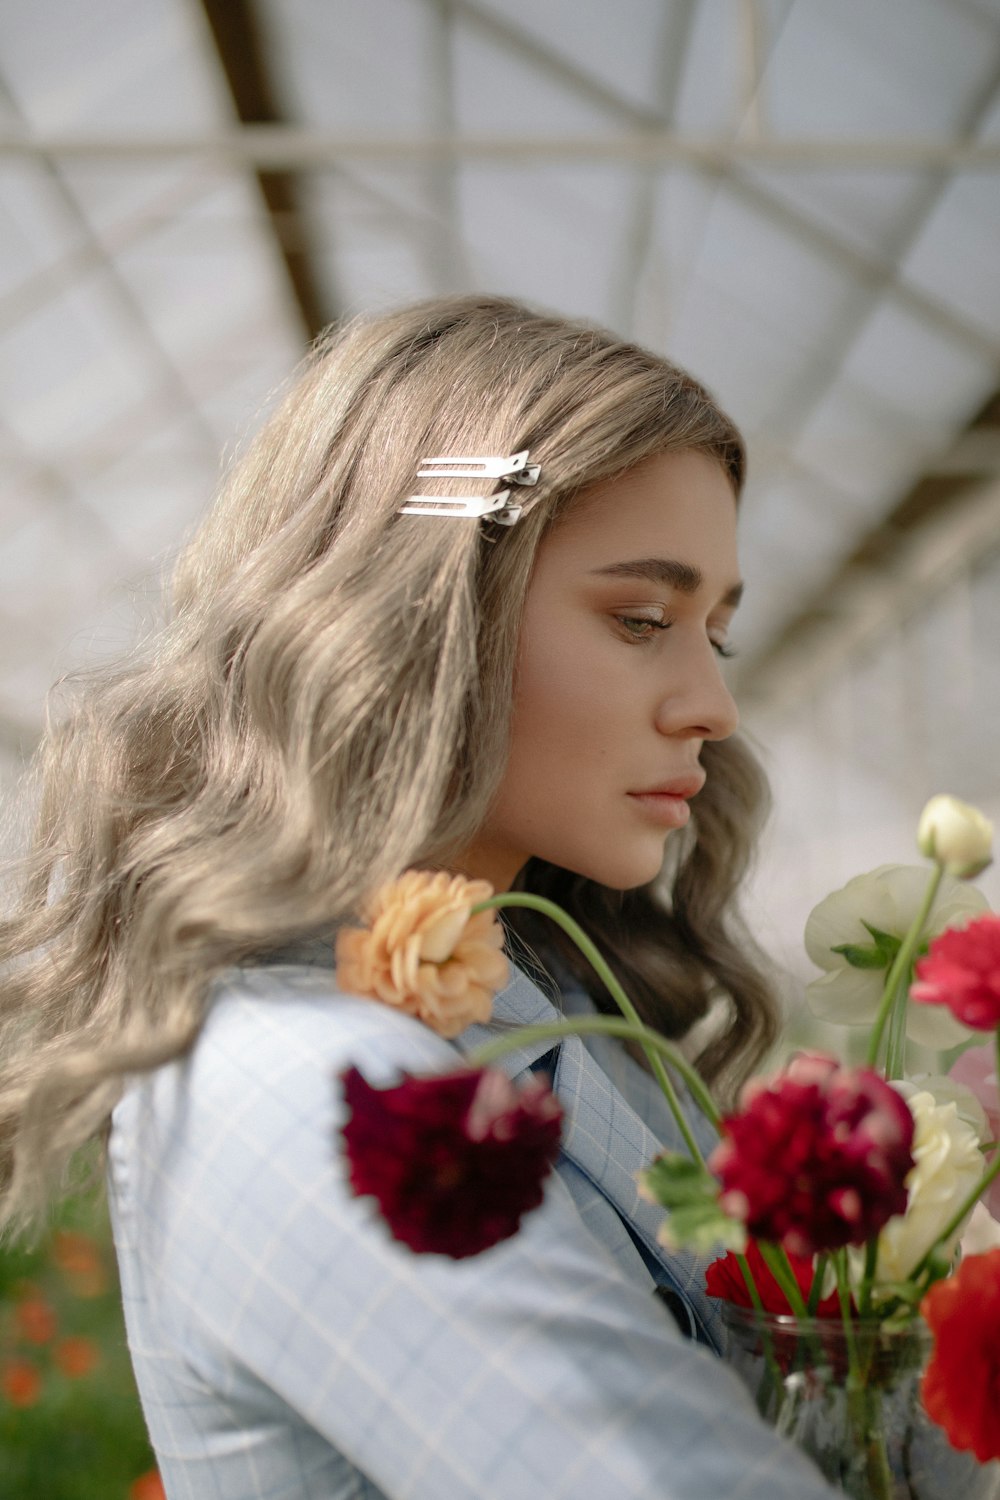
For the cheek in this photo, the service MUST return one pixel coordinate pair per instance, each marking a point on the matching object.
(556, 703)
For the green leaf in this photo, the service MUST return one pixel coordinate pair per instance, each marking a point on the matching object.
(695, 1220)
(886, 942)
(860, 957)
(879, 956)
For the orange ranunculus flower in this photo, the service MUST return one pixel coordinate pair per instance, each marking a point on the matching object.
(148, 1486)
(77, 1357)
(34, 1320)
(79, 1258)
(961, 1385)
(20, 1382)
(424, 953)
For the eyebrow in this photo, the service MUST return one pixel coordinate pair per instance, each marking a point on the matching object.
(677, 575)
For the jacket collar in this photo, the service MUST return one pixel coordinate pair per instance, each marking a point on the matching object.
(603, 1137)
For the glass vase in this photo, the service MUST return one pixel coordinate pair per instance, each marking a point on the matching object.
(854, 1405)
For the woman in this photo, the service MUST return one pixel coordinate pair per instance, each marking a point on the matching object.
(353, 684)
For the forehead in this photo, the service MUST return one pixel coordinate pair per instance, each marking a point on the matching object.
(674, 505)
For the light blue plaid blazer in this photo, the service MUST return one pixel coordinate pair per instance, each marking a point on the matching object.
(286, 1347)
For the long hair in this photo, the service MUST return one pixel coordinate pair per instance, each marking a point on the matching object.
(328, 704)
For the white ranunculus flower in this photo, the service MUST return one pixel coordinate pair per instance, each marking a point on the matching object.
(947, 1090)
(888, 899)
(982, 1233)
(956, 835)
(947, 1165)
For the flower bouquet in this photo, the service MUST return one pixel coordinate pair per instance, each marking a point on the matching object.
(860, 1268)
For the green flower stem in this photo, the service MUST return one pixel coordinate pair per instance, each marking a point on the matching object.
(816, 1290)
(780, 1269)
(868, 1278)
(895, 1047)
(844, 1298)
(751, 1285)
(766, 1343)
(894, 996)
(632, 1031)
(863, 1402)
(644, 1035)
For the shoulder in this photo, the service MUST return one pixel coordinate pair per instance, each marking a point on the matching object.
(261, 1084)
(293, 1019)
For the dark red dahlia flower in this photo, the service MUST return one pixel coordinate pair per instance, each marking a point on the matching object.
(962, 971)
(724, 1279)
(453, 1161)
(961, 1385)
(817, 1157)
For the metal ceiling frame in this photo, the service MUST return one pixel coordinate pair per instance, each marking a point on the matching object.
(234, 30)
(274, 147)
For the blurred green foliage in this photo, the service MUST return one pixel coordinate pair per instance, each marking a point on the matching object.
(70, 1423)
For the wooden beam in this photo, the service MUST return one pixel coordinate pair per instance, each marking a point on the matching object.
(238, 41)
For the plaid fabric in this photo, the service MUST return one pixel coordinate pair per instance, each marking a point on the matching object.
(285, 1347)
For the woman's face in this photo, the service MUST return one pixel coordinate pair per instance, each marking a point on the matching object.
(618, 680)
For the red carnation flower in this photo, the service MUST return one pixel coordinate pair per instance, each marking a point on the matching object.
(453, 1161)
(724, 1279)
(961, 1385)
(817, 1157)
(962, 971)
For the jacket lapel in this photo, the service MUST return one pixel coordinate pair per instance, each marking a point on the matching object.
(604, 1138)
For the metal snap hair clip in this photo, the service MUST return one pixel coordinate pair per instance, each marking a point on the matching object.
(514, 470)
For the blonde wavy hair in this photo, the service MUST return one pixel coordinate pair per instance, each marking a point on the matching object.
(328, 704)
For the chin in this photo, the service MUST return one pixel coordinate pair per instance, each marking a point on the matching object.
(624, 873)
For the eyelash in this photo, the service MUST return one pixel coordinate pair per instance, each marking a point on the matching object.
(721, 648)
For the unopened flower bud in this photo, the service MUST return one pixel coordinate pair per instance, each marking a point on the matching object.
(956, 835)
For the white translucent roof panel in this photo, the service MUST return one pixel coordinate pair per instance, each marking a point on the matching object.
(956, 259)
(930, 380)
(145, 64)
(875, 70)
(620, 47)
(362, 69)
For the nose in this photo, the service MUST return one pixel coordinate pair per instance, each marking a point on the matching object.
(698, 704)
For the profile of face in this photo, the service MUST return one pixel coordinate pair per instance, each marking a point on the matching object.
(618, 682)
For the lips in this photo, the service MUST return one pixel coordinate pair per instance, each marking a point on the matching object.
(666, 805)
(683, 787)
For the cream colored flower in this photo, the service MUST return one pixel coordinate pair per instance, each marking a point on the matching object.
(956, 835)
(423, 952)
(888, 899)
(947, 1165)
(982, 1233)
(948, 1090)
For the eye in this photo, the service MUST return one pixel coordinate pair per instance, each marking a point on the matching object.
(640, 627)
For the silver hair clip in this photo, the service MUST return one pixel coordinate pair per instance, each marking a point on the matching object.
(515, 470)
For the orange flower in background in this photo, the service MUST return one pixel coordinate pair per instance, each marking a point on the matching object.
(961, 1385)
(34, 1319)
(77, 1357)
(424, 953)
(20, 1382)
(148, 1486)
(79, 1258)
